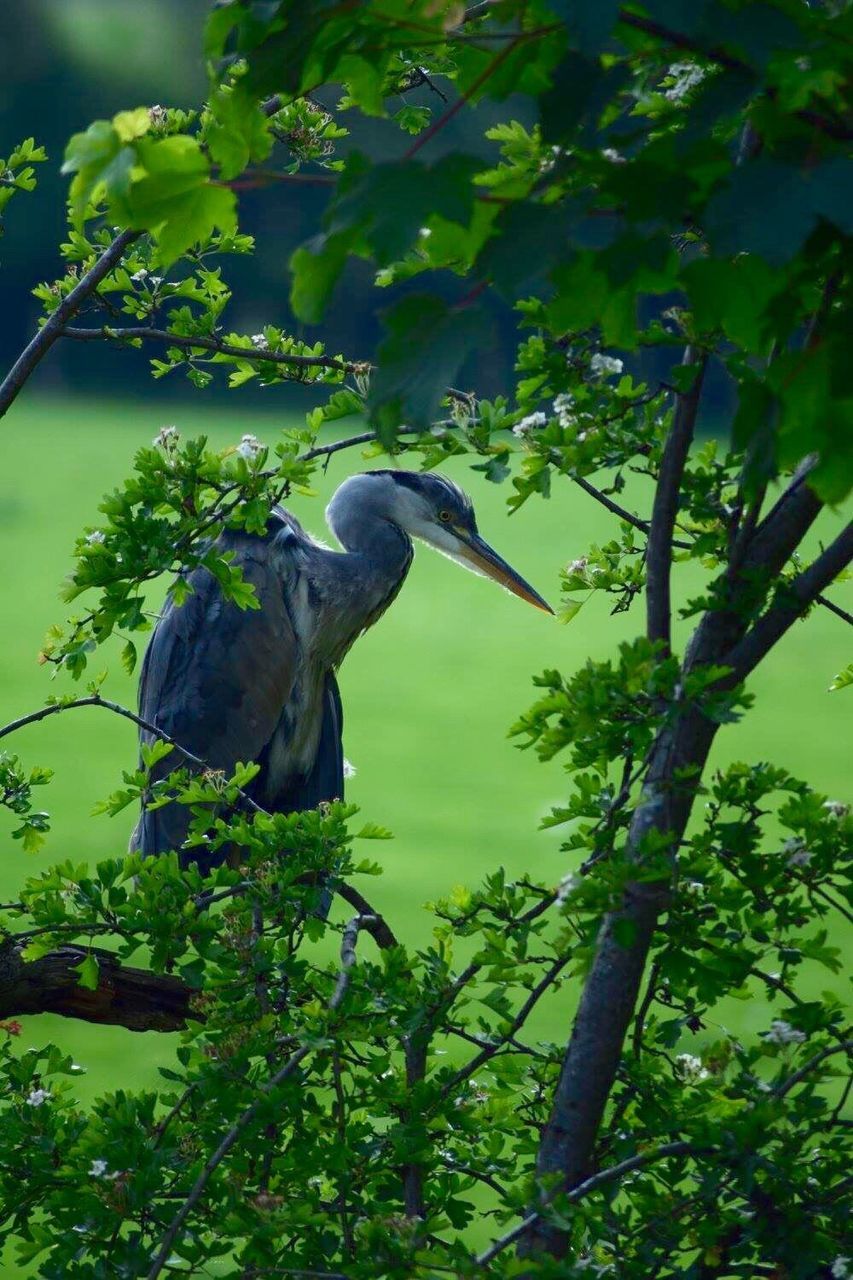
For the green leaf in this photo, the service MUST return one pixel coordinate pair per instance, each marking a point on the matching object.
(174, 199)
(843, 680)
(389, 203)
(569, 610)
(153, 752)
(406, 387)
(766, 208)
(88, 971)
(316, 267)
(128, 657)
(98, 159)
(372, 831)
(239, 131)
(734, 296)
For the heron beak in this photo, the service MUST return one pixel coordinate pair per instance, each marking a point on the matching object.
(485, 560)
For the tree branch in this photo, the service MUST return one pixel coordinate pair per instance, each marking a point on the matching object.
(584, 1189)
(53, 326)
(200, 341)
(795, 598)
(489, 1050)
(806, 1069)
(96, 701)
(835, 608)
(665, 506)
(125, 997)
(715, 53)
(348, 959)
(621, 512)
(676, 761)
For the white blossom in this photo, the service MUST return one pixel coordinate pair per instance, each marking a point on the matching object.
(564, 407)
(349, 769)
(579, 565)
(425, 232)
(167, 438)
(840, 1269)
(98, 1169)
(796, 853)
(139, 276)
(258, 340)
(836, 808)
(614, 156)
(685, 76)
(157, 114)
(695, 888)
(36, 1097)
(249, 447)
(97, 535)
(783, 1033)
(691, 1068)
(528, 424)
(567, 886)
(155, 281)
(605, 365)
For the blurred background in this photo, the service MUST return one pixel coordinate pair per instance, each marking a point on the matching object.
(65, 63)
(431, 692)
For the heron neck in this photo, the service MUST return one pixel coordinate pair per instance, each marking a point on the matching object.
(368, 576)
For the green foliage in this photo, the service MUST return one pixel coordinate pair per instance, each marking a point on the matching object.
(344, 1108)
(17, 173)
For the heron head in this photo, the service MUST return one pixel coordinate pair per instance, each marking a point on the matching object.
(431, 507)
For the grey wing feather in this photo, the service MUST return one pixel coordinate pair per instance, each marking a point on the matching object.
(216, 678)
(325, 782)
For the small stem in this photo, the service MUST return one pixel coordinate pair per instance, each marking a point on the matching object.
(38, 348)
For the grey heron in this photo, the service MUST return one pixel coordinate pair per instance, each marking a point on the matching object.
(259, 685)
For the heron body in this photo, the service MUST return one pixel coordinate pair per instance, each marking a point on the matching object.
(259, 684)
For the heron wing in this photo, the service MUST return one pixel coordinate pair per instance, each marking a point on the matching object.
(215, 678)
(326, 778)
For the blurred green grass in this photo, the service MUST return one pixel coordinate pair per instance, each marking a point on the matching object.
(429, 693)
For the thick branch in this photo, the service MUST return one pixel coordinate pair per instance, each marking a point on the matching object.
(52, 328)
(676, 762)
(665, 507)
(125, 997)
(201, 342)
(795, 600)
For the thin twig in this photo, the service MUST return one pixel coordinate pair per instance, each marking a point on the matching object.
(53, 326)
(715, 53)
(584, 1188)
(481, 79)
(252, 354)
(616, 510)
(808, 1067)
(489, 1051)
(834, 608)
(96, 701)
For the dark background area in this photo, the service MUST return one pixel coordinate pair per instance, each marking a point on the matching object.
(65, 63)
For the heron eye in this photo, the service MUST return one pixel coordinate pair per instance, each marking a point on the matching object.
(444, 517)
